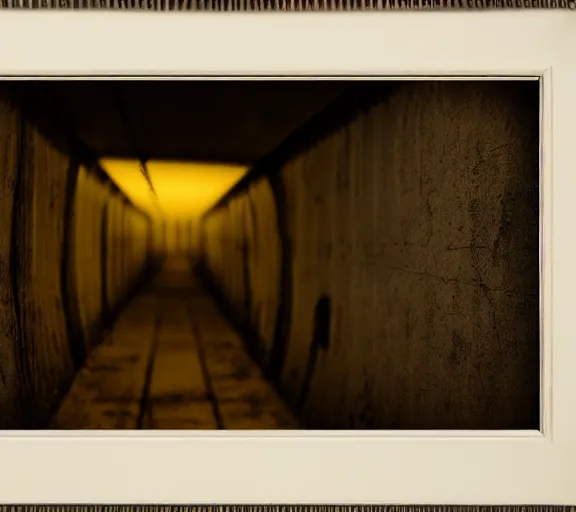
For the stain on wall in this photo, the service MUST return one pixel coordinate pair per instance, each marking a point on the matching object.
(418, 219)
(51, 293)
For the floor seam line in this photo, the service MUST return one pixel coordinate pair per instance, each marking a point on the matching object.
(144, 400)
(205, 373)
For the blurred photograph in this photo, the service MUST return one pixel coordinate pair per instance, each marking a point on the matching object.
(270, 254)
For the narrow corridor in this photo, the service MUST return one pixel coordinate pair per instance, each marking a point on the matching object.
(171, 361)
(373, 246)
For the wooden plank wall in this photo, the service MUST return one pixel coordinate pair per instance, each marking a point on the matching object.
(66, 256)
(393, 261)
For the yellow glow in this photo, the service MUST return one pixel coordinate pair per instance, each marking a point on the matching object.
(126, 174)
(184, 190)
(188, 189)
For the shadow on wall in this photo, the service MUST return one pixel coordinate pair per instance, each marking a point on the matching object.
(72, 248)
(388, 269)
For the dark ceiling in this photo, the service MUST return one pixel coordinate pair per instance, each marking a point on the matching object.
(221, 121)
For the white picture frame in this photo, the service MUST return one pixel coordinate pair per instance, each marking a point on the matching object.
(315, 467)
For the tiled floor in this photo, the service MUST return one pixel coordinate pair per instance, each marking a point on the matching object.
(172, 362)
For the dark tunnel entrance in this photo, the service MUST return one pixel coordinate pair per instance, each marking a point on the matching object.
(345, 254)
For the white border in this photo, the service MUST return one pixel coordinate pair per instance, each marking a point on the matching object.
(338, 468)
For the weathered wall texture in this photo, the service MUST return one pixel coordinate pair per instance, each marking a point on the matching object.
(52, 249)
(39, 233)
(242, 246)
(402, 271)
(9, 370)
(89, 204)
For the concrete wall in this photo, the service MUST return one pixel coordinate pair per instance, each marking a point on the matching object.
(393, 274)
(70, 249)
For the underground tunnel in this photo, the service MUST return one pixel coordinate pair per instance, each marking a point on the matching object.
(315, 254)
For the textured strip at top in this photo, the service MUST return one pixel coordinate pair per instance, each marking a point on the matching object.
(283, 508)
(286, 5)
